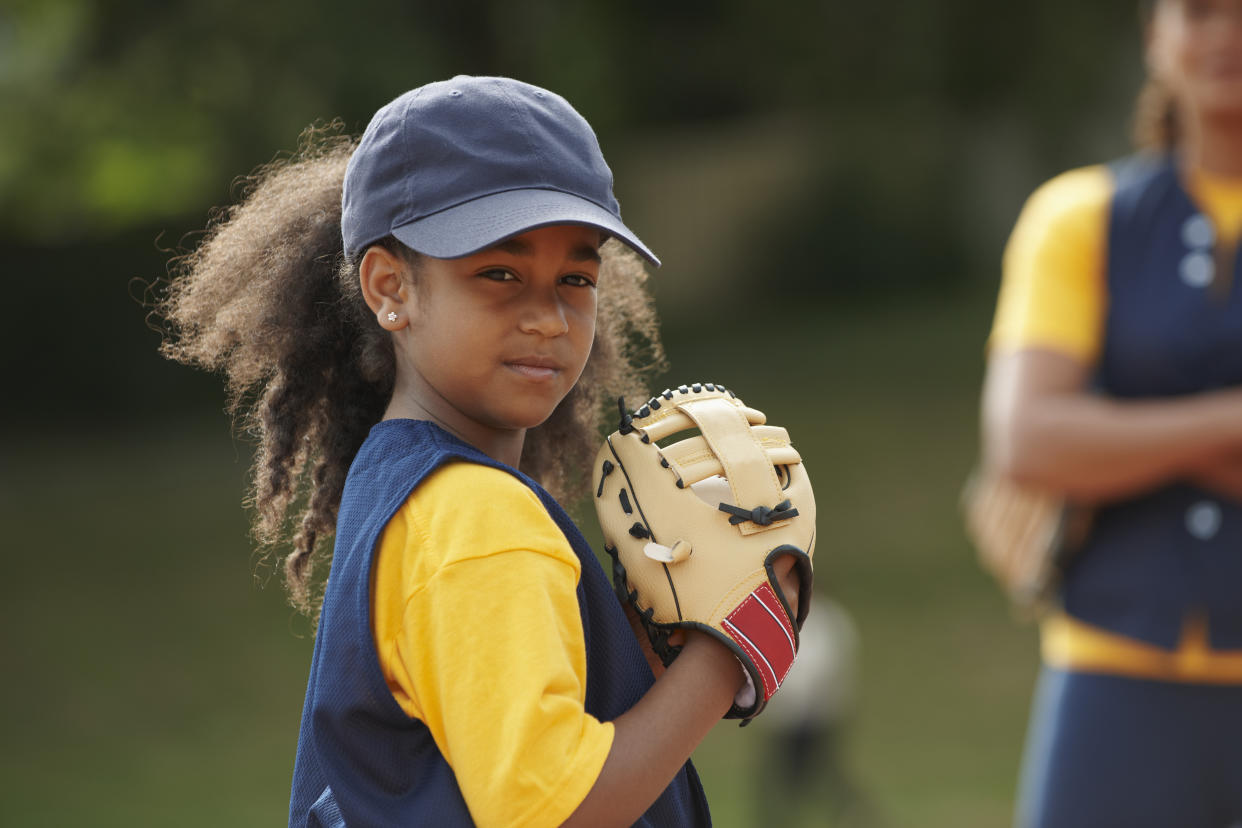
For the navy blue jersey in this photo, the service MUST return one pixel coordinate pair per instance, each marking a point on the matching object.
(1173, 327)
(361, 760)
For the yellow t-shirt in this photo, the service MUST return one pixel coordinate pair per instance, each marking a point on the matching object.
(1052, 292)
(1054, 296)
(476, 622)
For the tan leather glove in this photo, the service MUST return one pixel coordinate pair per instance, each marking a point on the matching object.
(694, 524)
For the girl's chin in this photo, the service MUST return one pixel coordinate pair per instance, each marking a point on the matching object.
(527, 419)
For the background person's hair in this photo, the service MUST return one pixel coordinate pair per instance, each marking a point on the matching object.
(268, 300)
(1155, 121)
(1156, 126)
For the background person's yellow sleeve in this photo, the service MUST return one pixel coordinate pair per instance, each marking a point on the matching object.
(1221, 199)
(1053, 292)
(479, 635)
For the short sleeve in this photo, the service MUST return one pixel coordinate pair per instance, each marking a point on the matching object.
(1053, 292)
(480, 637)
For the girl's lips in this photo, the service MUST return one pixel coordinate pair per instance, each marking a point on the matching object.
(535, 368)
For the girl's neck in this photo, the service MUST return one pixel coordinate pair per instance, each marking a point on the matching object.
(1213, 145)
(410, 402)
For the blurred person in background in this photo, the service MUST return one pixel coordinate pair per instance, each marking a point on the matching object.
(803, 765)
(1115, 380)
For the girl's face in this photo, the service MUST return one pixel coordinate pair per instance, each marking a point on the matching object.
(1195, 49)
(497, 339)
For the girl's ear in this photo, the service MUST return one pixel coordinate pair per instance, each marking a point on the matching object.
(382, 277)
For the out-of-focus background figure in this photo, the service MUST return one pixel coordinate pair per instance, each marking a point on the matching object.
(1115, 383)
(803, 777)
(830, 185)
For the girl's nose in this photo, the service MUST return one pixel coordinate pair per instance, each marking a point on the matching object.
(544, 314)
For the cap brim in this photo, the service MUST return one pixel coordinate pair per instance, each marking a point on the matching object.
(478, 224)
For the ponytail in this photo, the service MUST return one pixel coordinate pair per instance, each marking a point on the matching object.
(1155, 123)
(267, 300)
(1156, 126)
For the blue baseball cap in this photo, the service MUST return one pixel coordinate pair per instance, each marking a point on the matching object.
(456, 166)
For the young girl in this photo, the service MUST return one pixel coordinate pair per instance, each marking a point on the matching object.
(1115, 379)
(406, 322)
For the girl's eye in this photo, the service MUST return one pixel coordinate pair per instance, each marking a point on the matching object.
(577, 280)
(498, 275)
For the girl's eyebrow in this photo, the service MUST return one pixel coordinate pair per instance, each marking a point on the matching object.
(585, 253)
(520, 247)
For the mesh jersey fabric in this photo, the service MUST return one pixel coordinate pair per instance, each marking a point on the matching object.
(361, 759)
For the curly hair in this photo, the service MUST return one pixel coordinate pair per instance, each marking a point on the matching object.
(268, 300)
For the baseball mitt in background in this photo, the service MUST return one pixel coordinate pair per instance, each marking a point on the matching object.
(1025, 537)
(698, 497)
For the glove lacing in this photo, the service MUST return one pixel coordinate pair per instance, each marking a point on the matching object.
(760, 515)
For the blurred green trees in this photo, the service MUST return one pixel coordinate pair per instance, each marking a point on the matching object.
(854, 149)
(123, 113)
(847, 150)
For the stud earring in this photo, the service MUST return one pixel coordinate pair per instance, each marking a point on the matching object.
(392, 316)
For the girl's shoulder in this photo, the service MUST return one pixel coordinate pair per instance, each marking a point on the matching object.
(469, 482)
(466, 510)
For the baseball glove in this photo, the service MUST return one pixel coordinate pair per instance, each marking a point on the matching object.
(695, 524)
(1025, 537)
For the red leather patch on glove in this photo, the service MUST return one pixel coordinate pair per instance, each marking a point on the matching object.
(761, 628)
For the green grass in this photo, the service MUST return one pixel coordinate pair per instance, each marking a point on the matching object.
(151, 681)
(883, 407)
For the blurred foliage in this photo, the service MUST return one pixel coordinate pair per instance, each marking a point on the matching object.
(847, 149)
(125, 113)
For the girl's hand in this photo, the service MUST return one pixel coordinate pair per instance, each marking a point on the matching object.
(787, 577)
